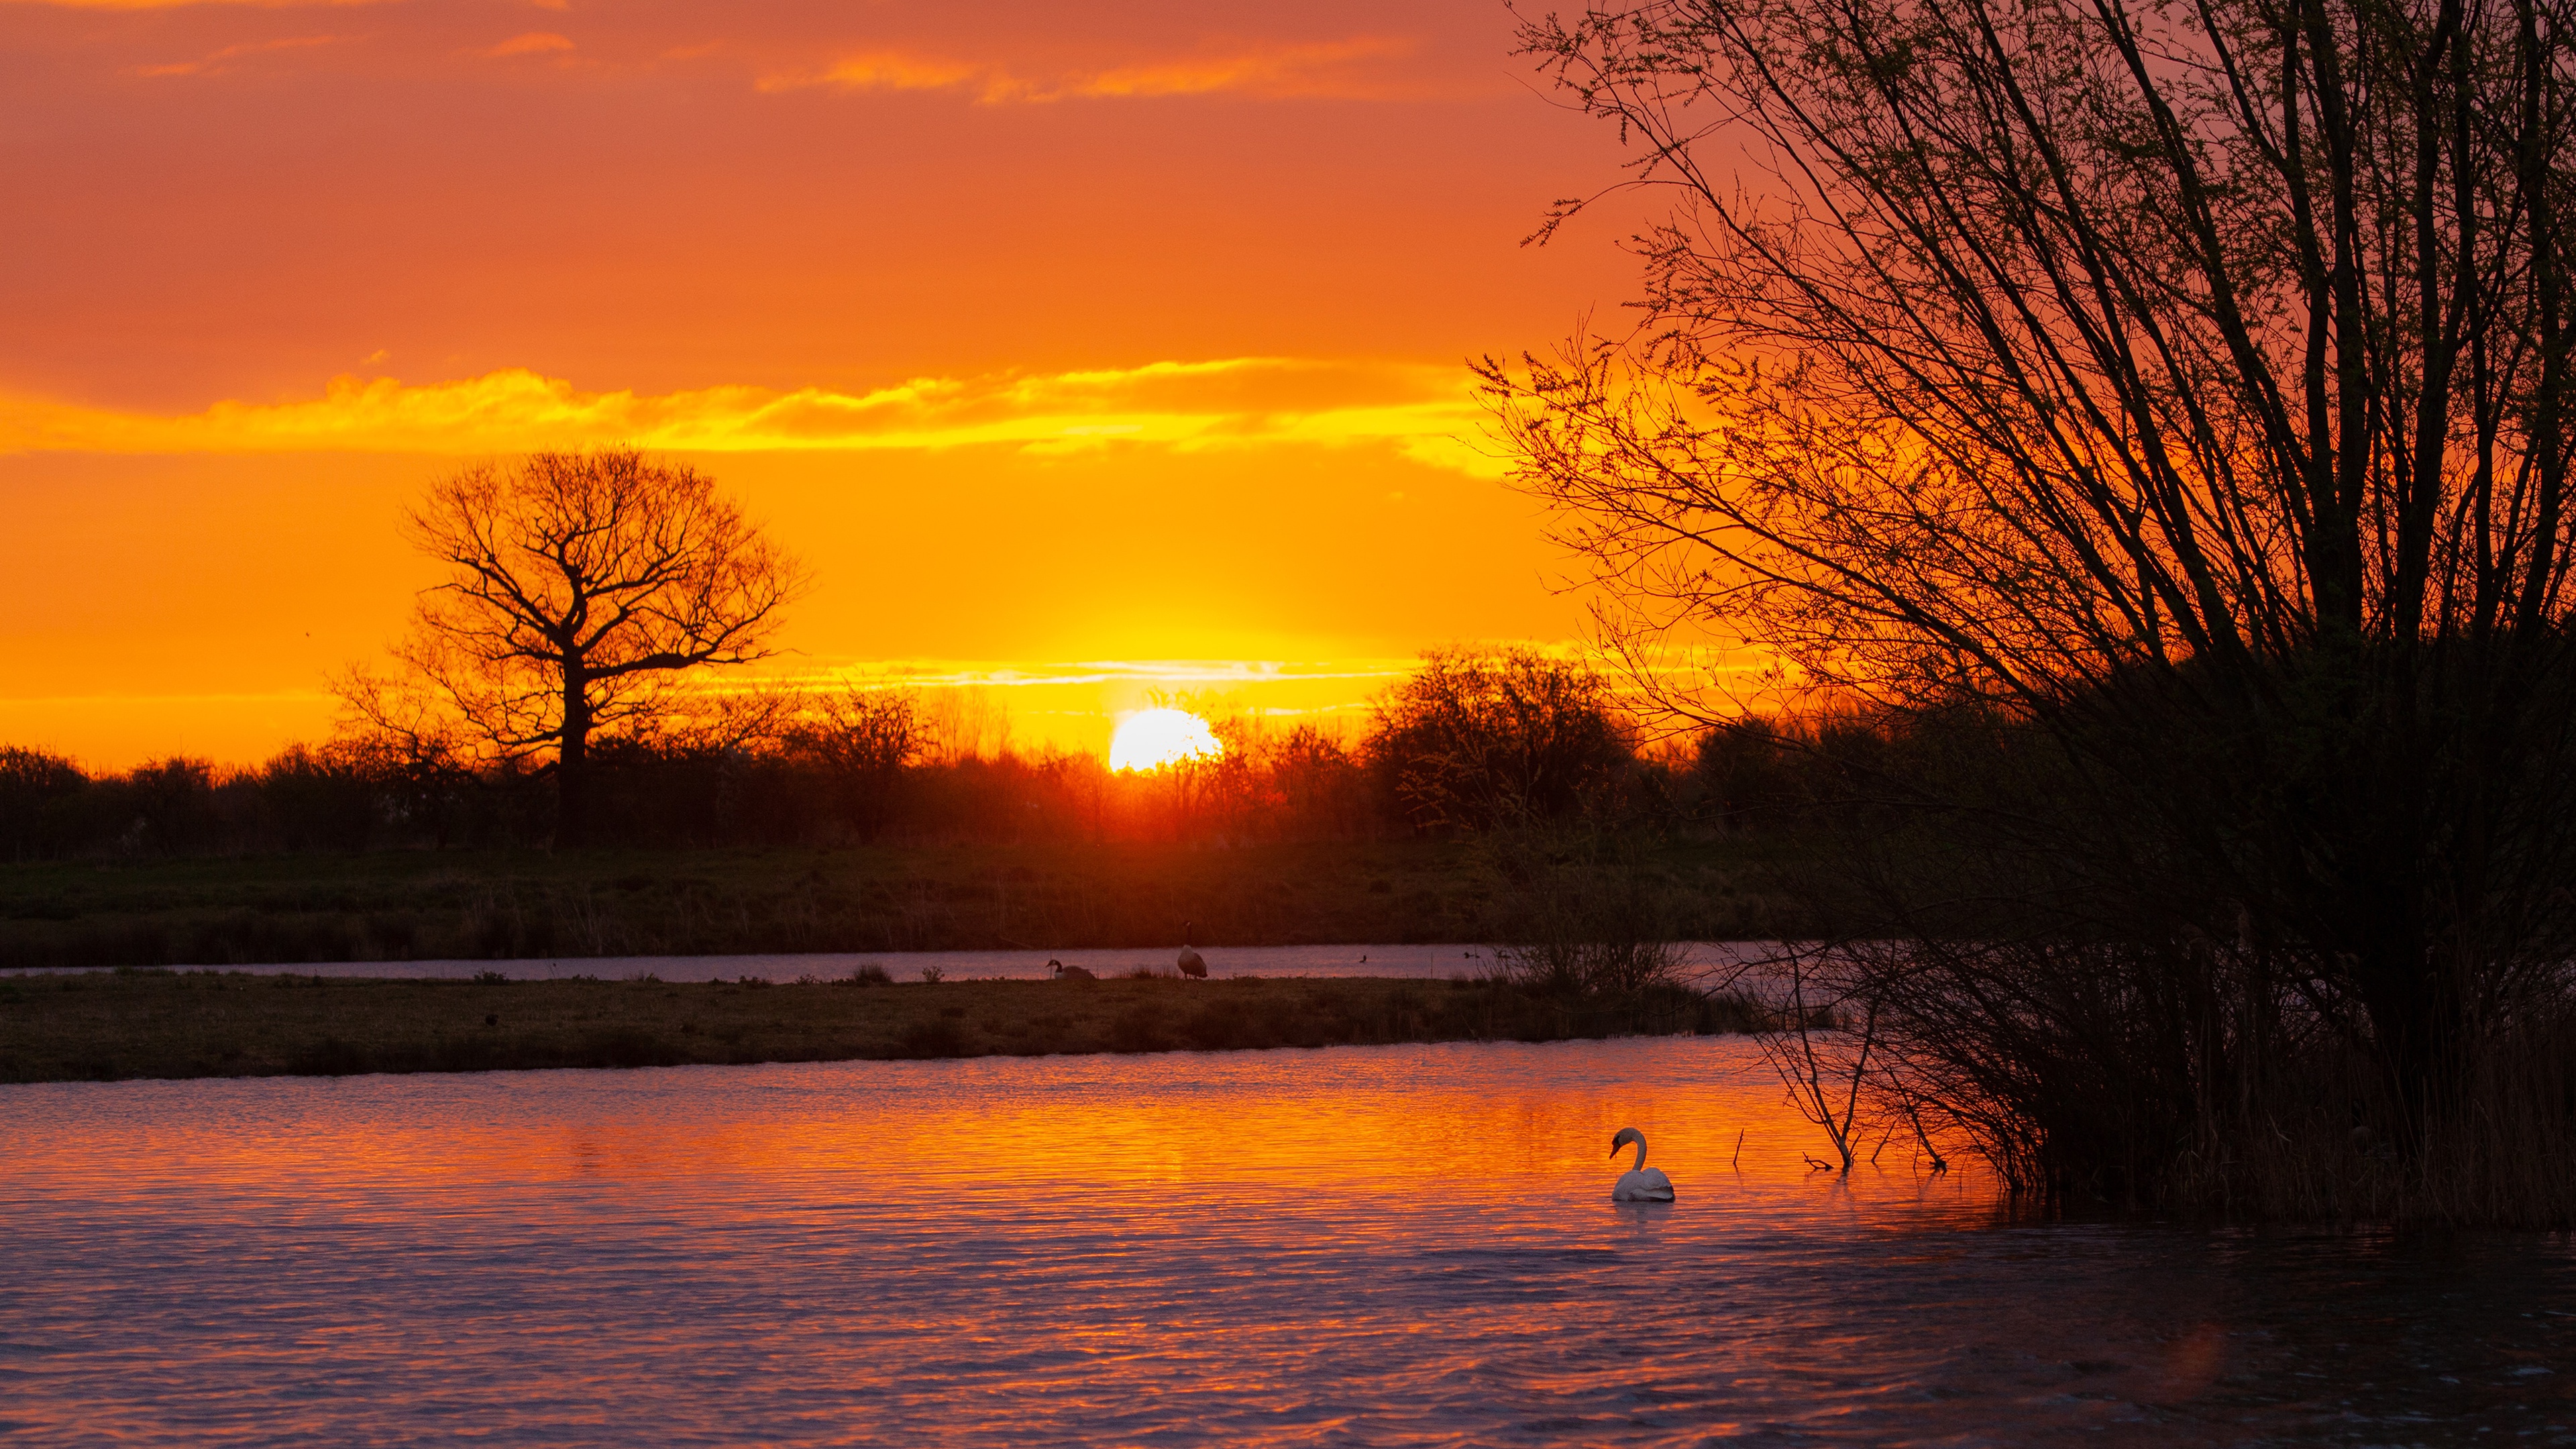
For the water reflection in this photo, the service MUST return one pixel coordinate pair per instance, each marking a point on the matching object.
(1382, 1245)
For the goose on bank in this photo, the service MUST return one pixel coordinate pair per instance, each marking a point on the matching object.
(1062, 972)
(1639, 1183)
(1190, 963)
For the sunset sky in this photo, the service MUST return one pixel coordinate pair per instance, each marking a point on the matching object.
(1080, 350)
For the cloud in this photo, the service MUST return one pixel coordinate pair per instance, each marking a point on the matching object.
(888, 71)
(1301, 70)
(1169, 674)
(1326, 69)
(1426, 412)
(535, 42)
(188, 4)
(217, 62)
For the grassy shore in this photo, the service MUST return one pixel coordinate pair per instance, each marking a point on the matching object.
(418, 905)
(106, 1026)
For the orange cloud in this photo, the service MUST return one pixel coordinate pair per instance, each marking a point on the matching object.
(535, 42)
(189, 4)
(890, 71)
(1302, 70)
(1279, 71)
(214, 64)
(1426, 412)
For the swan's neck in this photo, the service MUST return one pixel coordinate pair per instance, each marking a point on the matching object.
(1640, 1164)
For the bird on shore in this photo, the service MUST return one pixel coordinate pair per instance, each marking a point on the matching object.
(1191, 965)
(1639, 1183)
(1062, 972)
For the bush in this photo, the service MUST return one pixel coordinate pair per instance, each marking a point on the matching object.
(1592, 915)
(1475, 740)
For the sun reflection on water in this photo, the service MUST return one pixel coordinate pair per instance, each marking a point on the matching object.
(1395, 1244)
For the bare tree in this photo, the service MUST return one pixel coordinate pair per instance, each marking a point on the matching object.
(1476, 739)
(2185, 383)
(579, 586)
(863, 739)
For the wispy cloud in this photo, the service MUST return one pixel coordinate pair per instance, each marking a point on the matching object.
(1427, 412)
(535, 42)
(220, 61)
(1167, 674)
(187, 4)
(1335, 68)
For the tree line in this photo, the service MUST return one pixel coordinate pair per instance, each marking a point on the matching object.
(1472, 742)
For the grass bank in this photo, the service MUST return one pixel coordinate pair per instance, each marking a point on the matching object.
(420, 905)
(106, 1026)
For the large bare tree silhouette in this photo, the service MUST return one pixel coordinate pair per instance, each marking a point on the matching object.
(579, 586)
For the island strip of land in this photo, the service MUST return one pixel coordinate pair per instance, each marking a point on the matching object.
(113, 1025)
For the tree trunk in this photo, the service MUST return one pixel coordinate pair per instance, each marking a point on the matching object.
(572, 764)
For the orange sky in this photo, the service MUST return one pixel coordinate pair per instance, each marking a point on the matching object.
(1088, 350)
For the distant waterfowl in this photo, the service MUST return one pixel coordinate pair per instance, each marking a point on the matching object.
(1062, 972)
(1190, 963)
(1639, 1183)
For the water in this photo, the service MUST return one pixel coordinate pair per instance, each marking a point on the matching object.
(1445, 959)
(1360, 1245)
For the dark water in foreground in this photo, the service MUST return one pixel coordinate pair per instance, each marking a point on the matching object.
(1362, 1245)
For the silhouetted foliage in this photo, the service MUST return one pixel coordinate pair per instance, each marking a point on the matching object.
(579, 584)
(860, 741)
(1474, 740)
(40, 795)
(2154, 420)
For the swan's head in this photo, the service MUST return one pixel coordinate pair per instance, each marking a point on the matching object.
(1626, 1136)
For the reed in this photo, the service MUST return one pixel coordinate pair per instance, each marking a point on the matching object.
(2155, 1078)
(2497, 1148)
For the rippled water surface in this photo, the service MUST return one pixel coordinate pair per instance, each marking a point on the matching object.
(1378, 1245)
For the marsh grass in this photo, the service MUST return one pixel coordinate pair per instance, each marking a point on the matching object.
(2270, 1116)
(2498, 1150)
(150, 1023)
(424, 905)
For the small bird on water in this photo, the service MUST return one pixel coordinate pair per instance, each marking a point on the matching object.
(1639, 1183)
(1191, 965)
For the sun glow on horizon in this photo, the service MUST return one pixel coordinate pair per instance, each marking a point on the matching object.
(1152, 738)
(1121, 363)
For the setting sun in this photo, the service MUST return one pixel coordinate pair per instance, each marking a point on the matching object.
(1152, 738)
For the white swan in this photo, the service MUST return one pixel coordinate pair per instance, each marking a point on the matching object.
(1639, 1183)
(1190, 963)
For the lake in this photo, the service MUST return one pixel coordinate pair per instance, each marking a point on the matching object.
(1362, 1245)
